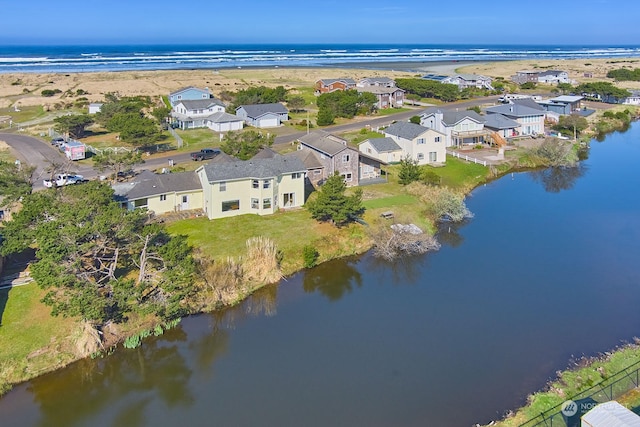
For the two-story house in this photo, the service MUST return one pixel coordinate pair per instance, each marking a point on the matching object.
(459, 127)
(388, 97)
(418, 143)
(332, 85)
(376, 81)
(258, 186)
(464, 81)
(263, 115)
(191, 114)
(384, 149)
(188, 94)
(333, 154)
(530, 120)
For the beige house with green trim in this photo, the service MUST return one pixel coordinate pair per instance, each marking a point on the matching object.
(259, 186)
(161, 193)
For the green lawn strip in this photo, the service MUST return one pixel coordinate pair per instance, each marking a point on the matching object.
(26, 113)
(574, 381)
(390, 111)
(460, 175)
(33, 340)
(389, 202)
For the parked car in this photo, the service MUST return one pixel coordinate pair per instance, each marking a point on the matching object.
(62, 179)
(57, 141)
(204, 154)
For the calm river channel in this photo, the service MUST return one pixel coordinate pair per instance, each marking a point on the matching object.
(548, 269)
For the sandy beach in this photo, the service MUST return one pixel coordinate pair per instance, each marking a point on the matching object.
(25, 89)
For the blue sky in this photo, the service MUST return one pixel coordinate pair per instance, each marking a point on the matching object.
(328, 21)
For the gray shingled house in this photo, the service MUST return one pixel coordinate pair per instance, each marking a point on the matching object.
(263, 115)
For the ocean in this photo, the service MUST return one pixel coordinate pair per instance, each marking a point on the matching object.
(72, 59)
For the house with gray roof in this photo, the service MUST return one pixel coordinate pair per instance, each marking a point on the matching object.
(259, 186)
(189, 93)
(191, 114)
(530, 120)
(376, 81)
(459, 127)
(160, 193)
(562, 105)
(464, 81)
(421, 144)
(333, 154)
(503, 126)
(263, 115)
(387, 97)
(384, 149)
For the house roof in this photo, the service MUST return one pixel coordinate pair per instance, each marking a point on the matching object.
(515, 110)
(346, 81)
(498, 121)
(184, 89)
(379, 90)
(406, 130)
(324, 142)
(148, 184)
(383, 145)
(434, 77)
(265, 153)
(253, 168)
(528, 102)
(200, 104)
(469, 77)
(308, 158)
(567, 99)
(550, 73)
(222, 117)
(611, 414)
(256, 110)
(374, 80)
(453, 117)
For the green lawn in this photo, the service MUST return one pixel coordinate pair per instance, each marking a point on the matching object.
(196, 139)
(460, 175)
(37, 341)
(390, 111)
(391, 201)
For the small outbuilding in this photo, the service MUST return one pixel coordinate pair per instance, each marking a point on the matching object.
(74, 150)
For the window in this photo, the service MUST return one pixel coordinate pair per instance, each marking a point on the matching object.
(347, 176)
(296, 175)
(266, 183)
(231, 205)
(140, 203)
(163, 197)
(420, 141)
(185, 199)
(420, 156)
(256, 183)
(433, 156)
(317, 172)
(346, 158)
(266, 203)
(437, 139)
(223, 186)
(255, 204)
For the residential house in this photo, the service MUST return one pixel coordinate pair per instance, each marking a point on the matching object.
(434, 77)
(384, 149)
(258, 186)
(419, 143)
(503, 126)
(333, 154)
(332, 85)
(541, 76)
(634, 99)
(610, 414)
(95, 107)
(188, 94)
(161, 193)
(191, 114)
(388, 97)
(263, 115)
(562, 105)
(376, 81)
(464, 81)
(223, 122)
(369, 168)
(531, 120)
(459, 127)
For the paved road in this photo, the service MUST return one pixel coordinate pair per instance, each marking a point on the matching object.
(42, 154)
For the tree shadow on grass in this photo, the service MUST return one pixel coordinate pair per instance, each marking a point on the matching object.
(4, 297)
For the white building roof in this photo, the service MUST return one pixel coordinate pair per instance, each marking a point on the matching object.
(610, 414)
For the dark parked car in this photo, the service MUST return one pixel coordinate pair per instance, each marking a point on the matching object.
(57, 141)
(205, 154)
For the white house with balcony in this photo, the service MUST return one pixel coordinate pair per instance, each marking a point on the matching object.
(418, 143)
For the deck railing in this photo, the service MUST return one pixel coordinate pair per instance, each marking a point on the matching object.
(467, 158)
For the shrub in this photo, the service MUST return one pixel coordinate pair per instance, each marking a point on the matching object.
(309, 256)
(430, 177)
(50, 92)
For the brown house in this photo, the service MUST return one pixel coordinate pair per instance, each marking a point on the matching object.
(333, 154)
(332, 85)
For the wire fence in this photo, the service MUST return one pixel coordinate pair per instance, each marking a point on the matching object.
(608, 389)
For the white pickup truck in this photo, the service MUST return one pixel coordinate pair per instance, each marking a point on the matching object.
(63, 179)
